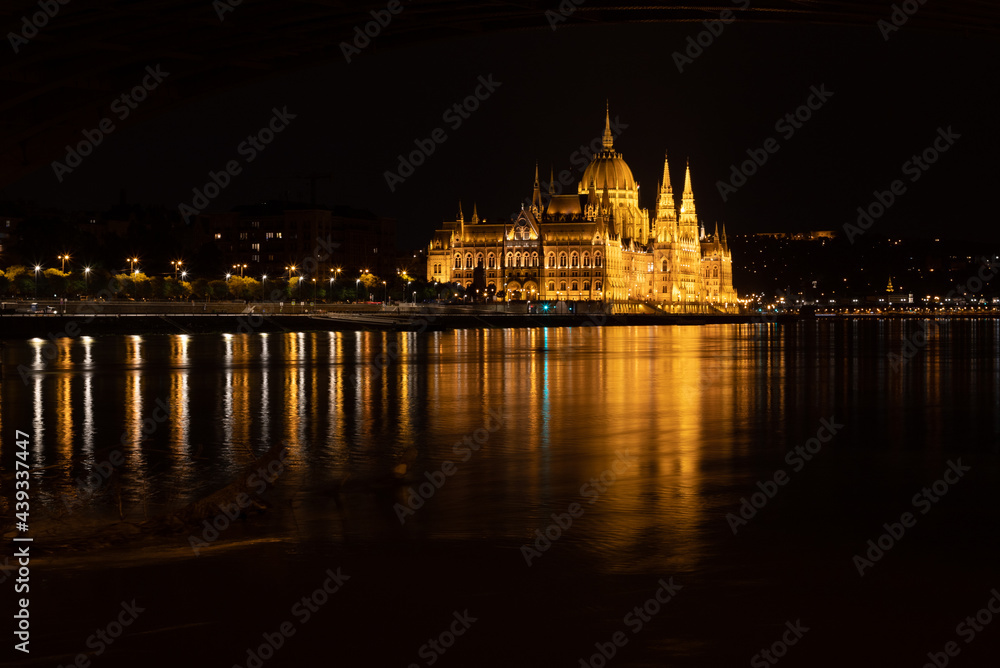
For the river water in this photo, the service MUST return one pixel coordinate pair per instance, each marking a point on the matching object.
(550, 482)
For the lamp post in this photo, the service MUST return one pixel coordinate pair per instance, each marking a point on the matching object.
(37, 269)
(314, 289)
(177, 265)
(357, 284)
(414, 297)
(290, 271)
(385, 295)
(86, 279)
(241, 267)
(63, 257)
(131, 264)
(333, 277)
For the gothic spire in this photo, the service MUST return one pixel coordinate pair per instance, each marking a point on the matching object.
(608, 139)
(665, 186)
(687, 199)
(552, 180)
(460, 218)
(475, 214)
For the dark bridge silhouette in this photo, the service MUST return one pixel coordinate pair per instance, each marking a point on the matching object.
(62, 77)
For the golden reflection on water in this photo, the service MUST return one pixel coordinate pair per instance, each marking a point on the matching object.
(687, 401)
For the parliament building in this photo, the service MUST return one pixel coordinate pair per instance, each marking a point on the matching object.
(593, 245)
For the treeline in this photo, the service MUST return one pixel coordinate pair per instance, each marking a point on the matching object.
(22, 282)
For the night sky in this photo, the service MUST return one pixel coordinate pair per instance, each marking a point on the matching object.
(352, 120)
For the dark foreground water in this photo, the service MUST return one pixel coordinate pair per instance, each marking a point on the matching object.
(631, 448)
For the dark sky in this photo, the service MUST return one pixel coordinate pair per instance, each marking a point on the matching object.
(889, 99)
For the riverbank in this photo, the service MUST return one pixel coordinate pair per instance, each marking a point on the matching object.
(15, 327)
(44, 326)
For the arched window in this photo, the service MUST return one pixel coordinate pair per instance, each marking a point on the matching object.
(562, 285)
(492, 261)
(562, 260)
(517, 259)
(574, 260)
(534, 259)
(715, 272)
(575, 286)
(468, 260)
(458, 261)
(665, 265)
(598, 285)
(586, 259)
(552, 260)
(597, 260)
(586, 286)
(510, 260)
(479, 259)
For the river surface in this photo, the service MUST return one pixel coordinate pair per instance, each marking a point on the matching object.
(430, 467)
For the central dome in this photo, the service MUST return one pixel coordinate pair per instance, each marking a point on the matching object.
(607, 168)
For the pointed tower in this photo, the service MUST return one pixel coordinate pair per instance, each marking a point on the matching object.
(461, 223)
(608, 139)
(552, 180)
(666, 209)
(725, 244)
(475, 214)
(536, 197)
(459, 217)
(688, 212)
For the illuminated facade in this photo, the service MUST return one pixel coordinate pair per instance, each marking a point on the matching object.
(596, 244)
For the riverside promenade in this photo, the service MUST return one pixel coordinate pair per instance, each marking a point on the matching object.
(98, 319)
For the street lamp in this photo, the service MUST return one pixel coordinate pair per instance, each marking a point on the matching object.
(385, 295)
(177, 265)
(37, 269)
(86, 279)
(131, 264)
(314, 289)
(241, 267)
(227, 277)
(290, 271)
(63, 258)
(414, 297)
